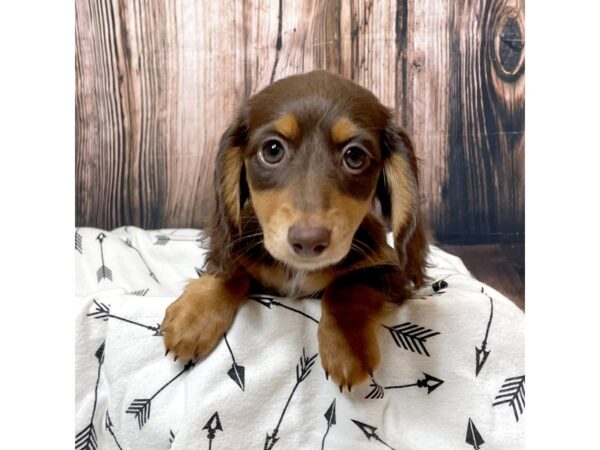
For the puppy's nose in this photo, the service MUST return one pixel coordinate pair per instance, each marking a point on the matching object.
(308, 241)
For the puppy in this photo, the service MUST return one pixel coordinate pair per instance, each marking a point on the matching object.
(307, 177)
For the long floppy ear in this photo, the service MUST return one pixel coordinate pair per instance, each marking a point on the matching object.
(231, 192)
(398, 194)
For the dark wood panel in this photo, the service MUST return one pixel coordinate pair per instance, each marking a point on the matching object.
(158, 82)
(501, 266)
(483, 193)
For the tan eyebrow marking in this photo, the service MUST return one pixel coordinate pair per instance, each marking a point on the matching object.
(287, 125)
(343, 129)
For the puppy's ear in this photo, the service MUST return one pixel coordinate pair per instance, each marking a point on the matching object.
(230, 184)
(398, 194)
(231, 192)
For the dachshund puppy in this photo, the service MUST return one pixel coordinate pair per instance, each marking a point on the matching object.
(307, 177)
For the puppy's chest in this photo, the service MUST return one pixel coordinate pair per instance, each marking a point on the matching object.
(291, 284)
(295, 285)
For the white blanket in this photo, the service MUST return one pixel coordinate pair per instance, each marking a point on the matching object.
(451, 377)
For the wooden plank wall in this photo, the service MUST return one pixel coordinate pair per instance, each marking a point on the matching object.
(157, 83)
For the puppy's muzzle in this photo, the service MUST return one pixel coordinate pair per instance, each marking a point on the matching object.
(308, 241)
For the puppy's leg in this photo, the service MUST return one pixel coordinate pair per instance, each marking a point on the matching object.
(351, 316)
(195, 322)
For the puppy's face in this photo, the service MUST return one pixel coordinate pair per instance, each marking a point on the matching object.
(312, 162)
(304, 160)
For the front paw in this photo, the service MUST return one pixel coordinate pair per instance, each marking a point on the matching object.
(193, 325)
(349, 356)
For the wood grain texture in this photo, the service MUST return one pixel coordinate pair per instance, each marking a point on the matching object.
(483, 192)
(501, 266)
(158, 82)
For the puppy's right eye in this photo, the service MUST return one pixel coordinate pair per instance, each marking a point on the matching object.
(271, 153)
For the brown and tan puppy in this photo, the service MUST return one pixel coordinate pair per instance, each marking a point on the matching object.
(307, 177)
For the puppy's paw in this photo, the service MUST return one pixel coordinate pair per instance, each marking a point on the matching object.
(195, 322)
(348, 356)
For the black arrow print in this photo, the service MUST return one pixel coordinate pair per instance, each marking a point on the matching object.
(369, 431)
(86, 438)
(438, 287)
(163, 239)
(103, 271)
(140, 292)
(78, 244)
(212, 426)
(108, 425)
(473, 436)
(171, 436)
(268, 301)
(330, 418)
(430, 382)
(411, 337)
(103, 312)
(130, 245)
(302, 371)
(140, 407)
(513, 393)
(237, 372)
(481, 354)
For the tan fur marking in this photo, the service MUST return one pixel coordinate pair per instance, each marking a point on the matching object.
(230, 182)
(400, 182)
(347, 212)
(268, 203)
(277, 278)
(343, 129)
(315, 281)
(269, 276)
(195, 322)
(287, 125)
(276, 214)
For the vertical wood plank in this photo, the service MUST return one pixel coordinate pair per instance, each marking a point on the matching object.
(100, 193)
(426, 104)
(142, 54)
(373, 47)
(486, 111)
(208, 74)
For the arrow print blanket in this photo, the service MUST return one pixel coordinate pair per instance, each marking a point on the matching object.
(452, 372)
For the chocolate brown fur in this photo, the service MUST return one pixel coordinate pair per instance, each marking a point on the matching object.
(314, 118)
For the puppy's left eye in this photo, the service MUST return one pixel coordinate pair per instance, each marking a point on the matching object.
(355, 159)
